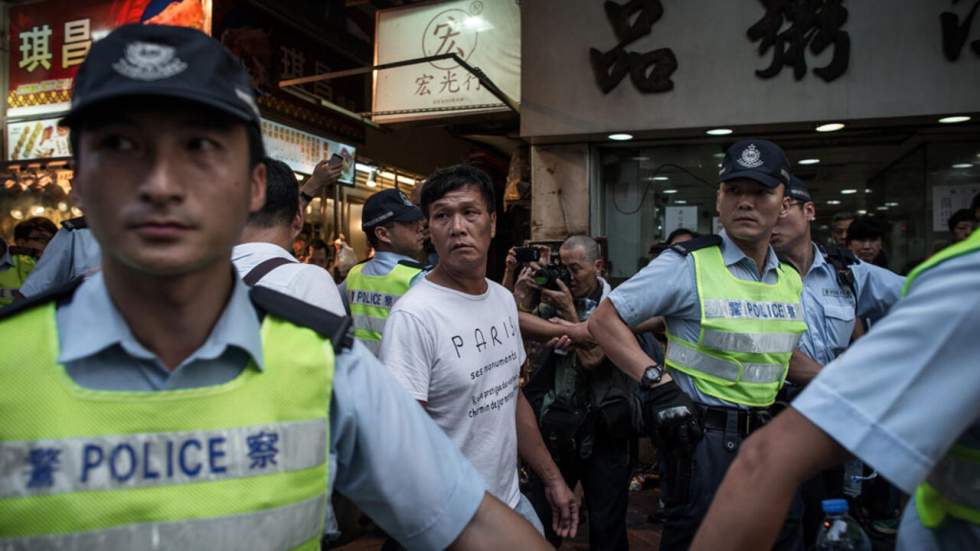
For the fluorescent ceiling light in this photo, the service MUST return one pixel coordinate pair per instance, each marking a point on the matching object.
(722, 155)
(830, 127)
(963, 165)
(867, 190)
(862, 212)
(680, 202)
(620, 137)
(809, 161)
(954, 119)
(848, 191)
(833, 202)
(670, 191)
(891, 204)
(882, 207)
(640, 158)
(661, 178)
(719, 131)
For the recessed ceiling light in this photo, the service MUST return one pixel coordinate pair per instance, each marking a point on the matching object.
(620, 137)
(963, 165)
(954, 119)
(830, 127)
(882, 207)
(661, 178)
(809, 161)
(719, 165)
(719, 131)
(891, 204)
(833, 202)
(848, 191)
(862, 212)
(670, 191)
(722, 155)
(867, 190)
(680, 202)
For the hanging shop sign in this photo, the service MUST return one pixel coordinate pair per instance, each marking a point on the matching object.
(302, 150)
(49, 40)
(948, 199)
(486, 35)
(37, 139)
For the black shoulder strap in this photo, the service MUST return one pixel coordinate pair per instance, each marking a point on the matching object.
(842, 259)
(263, 268)
(58, 294)
(327, 325)
(75, 223)
(412, 264)
(703, 242)
(22, 251)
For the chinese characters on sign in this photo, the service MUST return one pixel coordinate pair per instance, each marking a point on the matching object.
(957, 32)
(302, 150)
(650, 71)
(811, 23)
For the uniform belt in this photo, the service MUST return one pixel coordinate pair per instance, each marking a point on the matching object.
(745, 420)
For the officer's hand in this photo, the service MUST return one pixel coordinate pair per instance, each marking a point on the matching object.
(671, 418)
(564, 508)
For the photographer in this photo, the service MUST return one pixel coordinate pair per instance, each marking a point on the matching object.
(583, 403)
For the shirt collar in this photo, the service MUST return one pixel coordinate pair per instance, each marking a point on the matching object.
(390, 257)
(732, 255)
(237, 326)
(260, 248)
(818, 259)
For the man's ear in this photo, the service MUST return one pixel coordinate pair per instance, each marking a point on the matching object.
(493, 225)
(257, 188)
(296, 225)
(381, 234)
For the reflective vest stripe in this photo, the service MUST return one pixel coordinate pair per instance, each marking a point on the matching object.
(159, 459)
(751, 309)
(957, 476)
(371, 298)
(294, 526)
(764, 343)
(723, 369)
(370, 324)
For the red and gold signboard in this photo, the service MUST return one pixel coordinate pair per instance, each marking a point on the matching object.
(49, 40)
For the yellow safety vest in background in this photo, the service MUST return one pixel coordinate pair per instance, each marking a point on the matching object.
(12, 278)
(240, 465)
(749, 330)
(371, 298)
(953, 486)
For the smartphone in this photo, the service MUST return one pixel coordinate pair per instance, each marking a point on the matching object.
(527, 254)
(335, 159)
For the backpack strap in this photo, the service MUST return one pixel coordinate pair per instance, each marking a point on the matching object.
(60, 293)
(22, 251)
(412, 264)
(703, 242)
(324, 323)
(263, 268)
(75, 224)
(842, 260)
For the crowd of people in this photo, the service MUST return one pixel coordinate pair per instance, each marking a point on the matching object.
(182, 368)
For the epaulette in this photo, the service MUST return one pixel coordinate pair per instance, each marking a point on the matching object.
(60, 293)
(326, 324)
(414, 264)
(687, 247)
(73, 224)
(22, 251)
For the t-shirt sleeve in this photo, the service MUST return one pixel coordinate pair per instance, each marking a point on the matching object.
(904, 393)
(407, 350)
(665, 287)
(878, 289)
(53, 268)
(315, 286)
(393, 461)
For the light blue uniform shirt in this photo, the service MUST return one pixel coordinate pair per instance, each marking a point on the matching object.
(386, 453)
(829, 308)
(903, 394)
(69, 254)
(667, 287)
(382, 263)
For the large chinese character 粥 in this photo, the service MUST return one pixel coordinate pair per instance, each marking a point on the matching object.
(811, 23)
(35, 48)
(650, 71)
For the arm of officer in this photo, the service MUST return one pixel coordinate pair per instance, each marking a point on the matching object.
(531, 448)
(802, 368)
(878, 289)
(53, 268)
(404, 472)
(315, 286)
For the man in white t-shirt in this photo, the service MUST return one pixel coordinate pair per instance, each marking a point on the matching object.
(454, 343)
(263, 258)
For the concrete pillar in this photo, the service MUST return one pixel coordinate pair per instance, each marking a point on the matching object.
(559, 191)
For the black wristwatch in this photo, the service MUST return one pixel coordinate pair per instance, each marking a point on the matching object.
(652, 375)
(306, 196)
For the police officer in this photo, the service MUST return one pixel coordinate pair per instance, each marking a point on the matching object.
(905, 399)
(837, 290)
(393, 226)
(161, 405)
(733, 318)
(16, 264)
(73, 252)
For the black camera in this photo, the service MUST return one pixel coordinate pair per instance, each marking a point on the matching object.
(549, 276)
(527, 254)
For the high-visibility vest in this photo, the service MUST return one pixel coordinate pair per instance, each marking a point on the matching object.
(240, 465)
(13, 277)
(749, 330)
(953, 486)
(371, 298)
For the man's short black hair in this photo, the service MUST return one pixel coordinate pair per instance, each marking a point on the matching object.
(679, 232)
(962, 215)
(23, 230)
(452, 178)
(281, 196)
(865, 227)
(839, 216)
